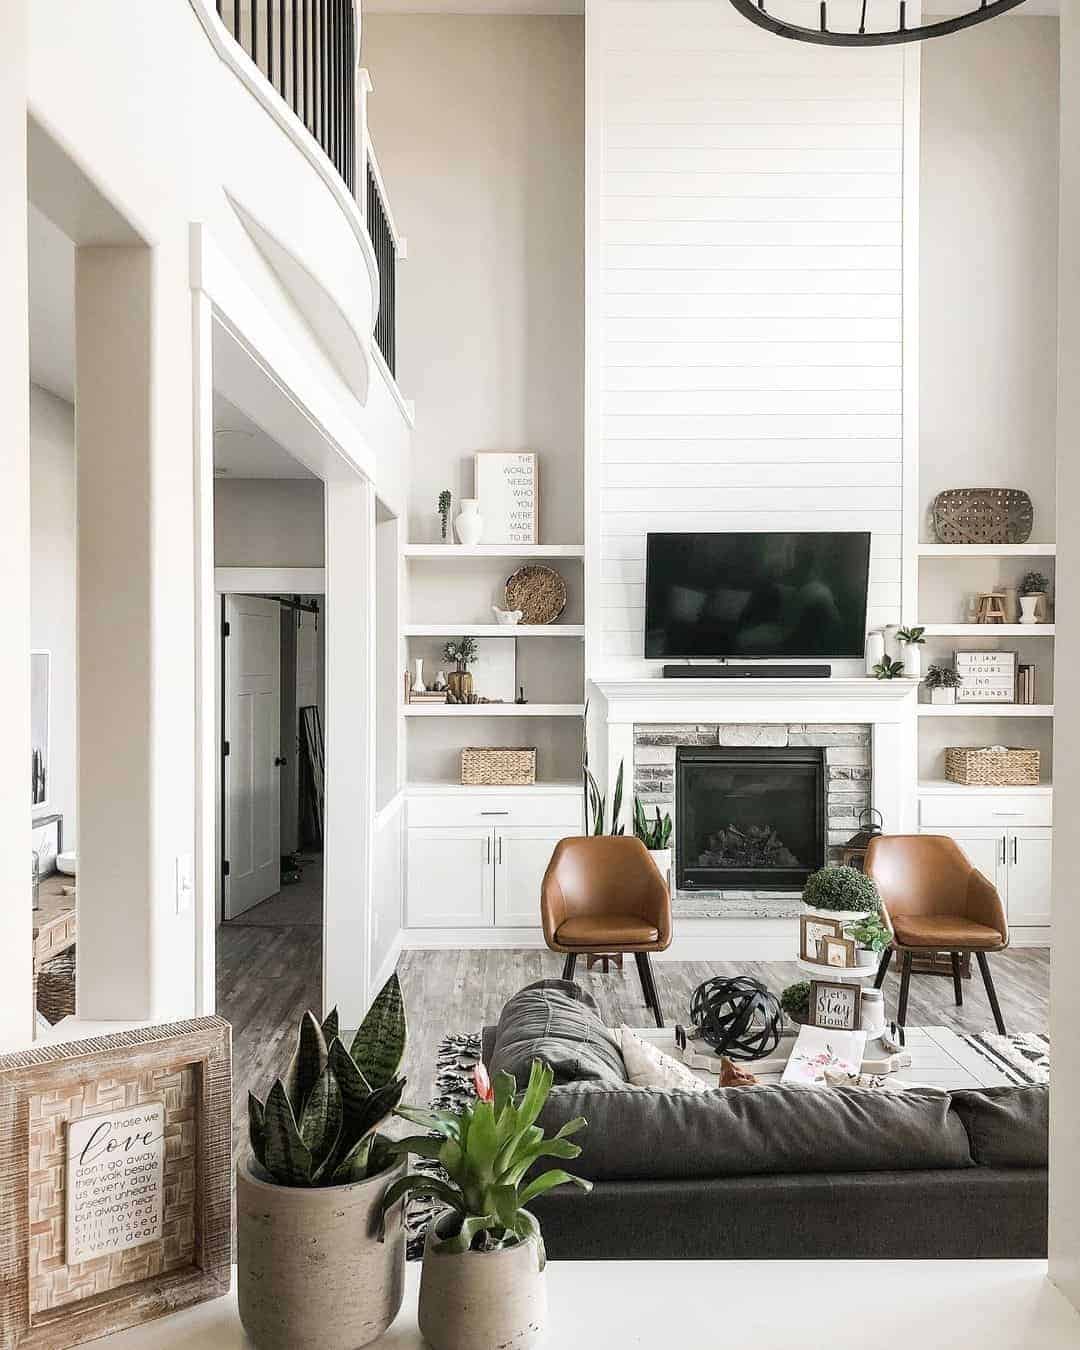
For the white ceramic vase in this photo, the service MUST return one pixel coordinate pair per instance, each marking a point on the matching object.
(911, 655)
(875, 650)
(1029, 608)
(418, 686)
(474, 1299)
(469, 524)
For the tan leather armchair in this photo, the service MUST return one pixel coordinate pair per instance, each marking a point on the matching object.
(604, 894)
(934, 900)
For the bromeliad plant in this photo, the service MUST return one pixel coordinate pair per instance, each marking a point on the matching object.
(888, 670)
(486, 1152)
(911, 637)
(318, 1125)
(654, 834)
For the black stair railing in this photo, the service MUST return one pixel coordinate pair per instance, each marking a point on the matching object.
(385, 245)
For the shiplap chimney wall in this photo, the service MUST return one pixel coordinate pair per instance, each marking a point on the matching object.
(744, 293)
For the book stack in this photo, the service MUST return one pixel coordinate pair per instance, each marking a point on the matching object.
(1027, 683)
(986, 677)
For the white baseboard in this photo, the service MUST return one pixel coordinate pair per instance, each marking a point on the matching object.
(420, 939)
(1030, 937)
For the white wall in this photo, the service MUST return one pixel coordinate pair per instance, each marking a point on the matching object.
(745, 265)
(988, 207)
(52, 586)
(268, 522)
(478, 121)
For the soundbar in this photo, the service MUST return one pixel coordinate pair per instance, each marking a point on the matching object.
(726, 672)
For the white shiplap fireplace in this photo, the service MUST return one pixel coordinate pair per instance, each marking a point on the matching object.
(859, 722)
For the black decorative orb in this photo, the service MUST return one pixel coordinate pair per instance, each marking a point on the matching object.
(737, 1016)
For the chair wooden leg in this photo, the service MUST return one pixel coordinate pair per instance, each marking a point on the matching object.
(648, 986)
(905, 981)
(958, 988)
(991, 992)
(883, 968)
(568, 966)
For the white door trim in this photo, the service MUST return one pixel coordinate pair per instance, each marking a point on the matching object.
(270, 580)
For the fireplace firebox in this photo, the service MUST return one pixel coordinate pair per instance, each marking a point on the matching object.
(748, 817)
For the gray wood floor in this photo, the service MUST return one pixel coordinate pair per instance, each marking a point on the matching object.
(267, 976)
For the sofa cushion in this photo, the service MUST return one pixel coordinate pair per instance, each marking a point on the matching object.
(1006, 1126)
(557, 1022)
(636, 1133)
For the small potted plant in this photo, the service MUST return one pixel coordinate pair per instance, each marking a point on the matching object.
(842, 893)
(444, 513)
(871, 936)
(1033, 597)
(463, 653)
(482, 1279)
(655, 835)
(888, 670)
(317, 1267)
(942, 681)
(912, 640)
(795, 1001)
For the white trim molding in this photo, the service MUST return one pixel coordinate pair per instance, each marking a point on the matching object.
(262, 580)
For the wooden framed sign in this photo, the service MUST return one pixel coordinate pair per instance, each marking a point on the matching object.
(812, 930)
(986, 677)
(116, 1206)
(508, 496)
(834, 1006)
(838, 952)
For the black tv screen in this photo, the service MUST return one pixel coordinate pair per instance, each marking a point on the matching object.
(756, 595)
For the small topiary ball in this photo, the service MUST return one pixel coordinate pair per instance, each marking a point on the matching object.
(795, 1001)
(737, 1016)
(844, 888)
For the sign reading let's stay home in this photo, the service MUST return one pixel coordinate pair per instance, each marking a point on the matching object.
(115, 1181)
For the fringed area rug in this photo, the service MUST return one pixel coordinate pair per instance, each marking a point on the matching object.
(1024, 1057)
(454, 1064)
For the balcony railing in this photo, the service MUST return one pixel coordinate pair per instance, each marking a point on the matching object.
(384, 241)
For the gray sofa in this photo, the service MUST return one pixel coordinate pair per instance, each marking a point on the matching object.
(773, 1172)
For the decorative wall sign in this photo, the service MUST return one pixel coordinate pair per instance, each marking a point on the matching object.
(986, 677)
(812, 929)
(117, 1155)
(115, 1182)
(834, 1007)
(838, 952)
(508, 494)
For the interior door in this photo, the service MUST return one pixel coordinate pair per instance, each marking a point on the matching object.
(251, 727)
(450, 878)
(521, 859)
(1030, 860)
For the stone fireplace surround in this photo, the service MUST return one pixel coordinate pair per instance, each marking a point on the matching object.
(866, 726)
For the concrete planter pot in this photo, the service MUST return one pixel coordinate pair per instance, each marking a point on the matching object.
(473, 1299)
(662, 858)
(312, 1271)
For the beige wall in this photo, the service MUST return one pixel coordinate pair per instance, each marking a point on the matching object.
(989, 261)
(52, 586)
(479, 127)
(268, 522)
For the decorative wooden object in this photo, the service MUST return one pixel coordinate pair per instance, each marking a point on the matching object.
(167, 1090)
(538, 591)
(1017, 767)
(498, 766)
(982, 516)
(991, 607)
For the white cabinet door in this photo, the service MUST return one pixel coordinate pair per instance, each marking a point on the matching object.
(450, 878)
(986, 850)
(521, 859)
(1030, 853)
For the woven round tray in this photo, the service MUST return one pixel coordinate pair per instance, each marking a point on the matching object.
(539, 592)
(983, 516)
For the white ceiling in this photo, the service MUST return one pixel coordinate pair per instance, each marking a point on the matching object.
(241, 448)
(936, 7)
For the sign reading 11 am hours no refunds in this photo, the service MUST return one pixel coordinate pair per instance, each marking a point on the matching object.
(115, 1181)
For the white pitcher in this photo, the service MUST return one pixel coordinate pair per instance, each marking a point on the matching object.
(469, 524)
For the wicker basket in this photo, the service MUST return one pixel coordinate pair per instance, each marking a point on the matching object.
(498, 766)
(982, 516)
(56, 987)
(992, 768)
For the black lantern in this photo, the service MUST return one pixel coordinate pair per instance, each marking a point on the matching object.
(889, 19)
(871, 824)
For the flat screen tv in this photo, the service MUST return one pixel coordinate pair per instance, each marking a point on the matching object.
(756, 595)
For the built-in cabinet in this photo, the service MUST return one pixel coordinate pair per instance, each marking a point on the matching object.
(1007, 836)
(476, 858)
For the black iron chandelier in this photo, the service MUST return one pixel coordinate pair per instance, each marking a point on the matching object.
(823, 35)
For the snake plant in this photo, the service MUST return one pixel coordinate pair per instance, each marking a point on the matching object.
(653, 834)
(486, 1152)
(318, 1124)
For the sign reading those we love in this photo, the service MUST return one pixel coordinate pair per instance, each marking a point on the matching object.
(115, 1181)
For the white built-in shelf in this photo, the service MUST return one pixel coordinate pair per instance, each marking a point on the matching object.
(987, 550)
(941, 787)
(989, 630)
(496, 630)
(985, 710)
(446, 552)
(844, 974)
(493, 709)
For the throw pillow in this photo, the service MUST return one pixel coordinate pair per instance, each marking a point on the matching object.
(648, 1067)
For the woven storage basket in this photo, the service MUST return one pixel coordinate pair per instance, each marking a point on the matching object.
(982, 516)
(56, 987)
(992, 768)
(498, 766)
